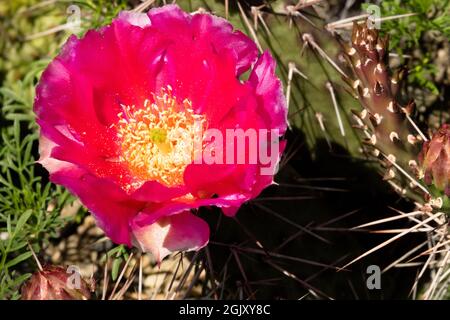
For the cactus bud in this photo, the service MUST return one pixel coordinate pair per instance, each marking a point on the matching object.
(435, 159)
(55, 283)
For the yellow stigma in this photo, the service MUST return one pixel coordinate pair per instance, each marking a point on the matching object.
(158, 139)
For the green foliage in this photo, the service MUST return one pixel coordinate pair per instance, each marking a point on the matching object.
(29, 205)
(406, 34)
(420, 74)
(99, 13)
(29, 208)
(119, 254)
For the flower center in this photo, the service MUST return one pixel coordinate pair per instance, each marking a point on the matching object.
(158, 140)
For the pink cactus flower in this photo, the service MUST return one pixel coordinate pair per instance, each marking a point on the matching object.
(55, 283)
(435, 159)
(120, 108)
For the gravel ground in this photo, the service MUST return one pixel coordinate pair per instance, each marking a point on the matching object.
(86, 249)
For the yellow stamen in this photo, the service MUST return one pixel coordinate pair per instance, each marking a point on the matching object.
(157, 140)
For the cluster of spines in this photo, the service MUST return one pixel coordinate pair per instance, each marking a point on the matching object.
(387, 126)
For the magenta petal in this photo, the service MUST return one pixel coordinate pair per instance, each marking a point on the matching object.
(205, 180)
(219, 32)
(181, 231)
(269, 88)
(217, 55)
(80, 90)
(109, 204)
(170, 19)
(155, 211)
(205, 30)
(45, 149)
(263, 181)
(152, 191)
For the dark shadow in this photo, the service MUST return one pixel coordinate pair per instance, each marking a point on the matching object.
(361, 189)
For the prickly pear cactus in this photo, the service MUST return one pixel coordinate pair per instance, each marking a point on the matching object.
(360, 164)
(395, 139)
